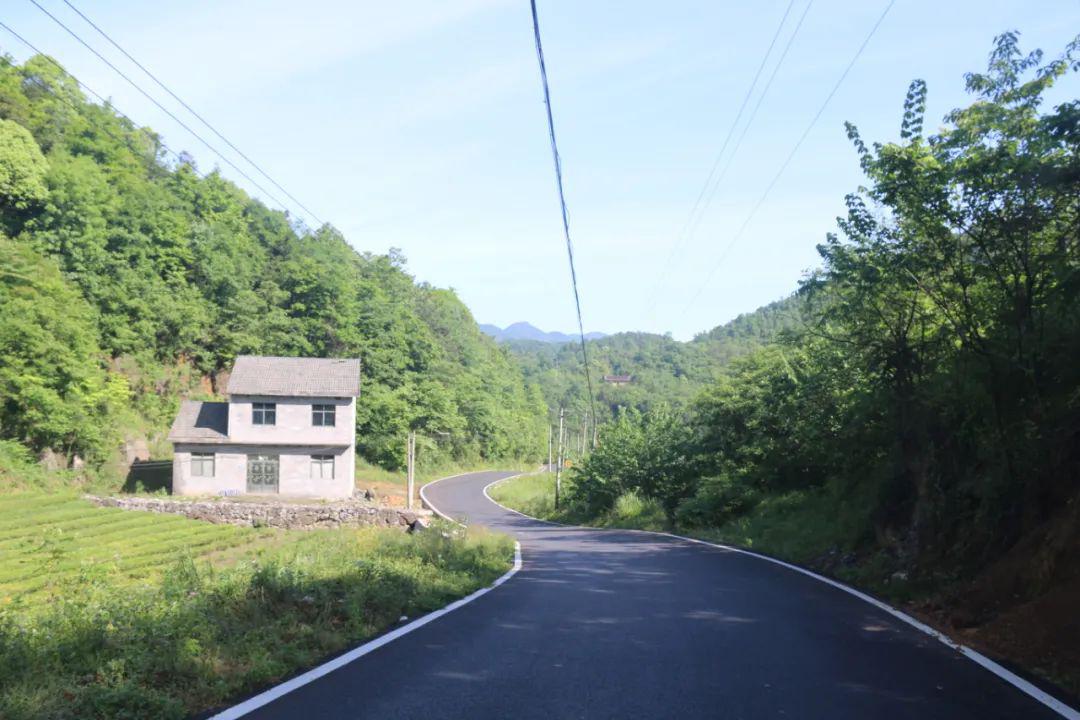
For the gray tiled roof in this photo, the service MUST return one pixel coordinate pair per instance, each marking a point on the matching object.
(201, 422)
(295, 376)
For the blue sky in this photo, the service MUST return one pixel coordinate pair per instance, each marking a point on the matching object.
(419, 124)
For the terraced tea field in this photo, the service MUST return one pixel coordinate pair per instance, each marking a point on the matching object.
(116, 613)
(50, 541)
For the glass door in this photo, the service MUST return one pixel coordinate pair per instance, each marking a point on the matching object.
(262, 474)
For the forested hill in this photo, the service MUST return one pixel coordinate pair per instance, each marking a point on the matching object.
(752, 330)
(128, 280)
(662, 371)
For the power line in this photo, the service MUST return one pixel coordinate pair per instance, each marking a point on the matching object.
(191, 110)
(693, 218)
(562, 204)
(156, 139)
(161, 107)
(787, 160)
(764, 92)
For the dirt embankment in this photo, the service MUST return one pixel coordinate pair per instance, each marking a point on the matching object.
(1024, 608)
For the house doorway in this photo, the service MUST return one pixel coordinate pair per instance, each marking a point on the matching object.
(262, 474)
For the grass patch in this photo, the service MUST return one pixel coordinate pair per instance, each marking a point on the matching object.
(534, 495)
(20, 470)
(106, 613)
(633, 511)
(828, 529)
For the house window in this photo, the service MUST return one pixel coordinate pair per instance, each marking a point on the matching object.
(263, 413)
(322, 467)
(202, 464)
(322, 415)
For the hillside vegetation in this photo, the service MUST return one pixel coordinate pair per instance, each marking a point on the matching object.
(129, 278)
(665, 372)
(918, 433)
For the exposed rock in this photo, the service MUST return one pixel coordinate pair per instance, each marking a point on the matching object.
(219, 381)
(136, 449)
(269, 514)
(53, 460)
(419, 525)
(369, 494)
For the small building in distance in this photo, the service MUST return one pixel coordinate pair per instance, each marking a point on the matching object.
(618, 379)
(288, 428)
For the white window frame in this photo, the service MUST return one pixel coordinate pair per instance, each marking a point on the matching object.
(260, 411)
(319, 465)
(323, 412)
(199, 460)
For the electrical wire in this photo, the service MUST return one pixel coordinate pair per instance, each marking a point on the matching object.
(757, 106)
(191, 110)
(787, 161)
(562, 204)
(694, 217)
(153, 138)
(161, 107)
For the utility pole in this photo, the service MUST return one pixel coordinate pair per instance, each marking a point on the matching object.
(584, 429)
(549, 445)
(410, 467)
(558, 468)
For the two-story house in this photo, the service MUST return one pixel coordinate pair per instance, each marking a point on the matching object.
(288, 428)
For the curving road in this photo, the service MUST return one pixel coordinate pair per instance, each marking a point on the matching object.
(612, 624)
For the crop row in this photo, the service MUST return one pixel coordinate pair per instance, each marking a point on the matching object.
(131, 566)
(91, 528)
(27, 501)
(96, 529)
(149, 543)
(133, 527)
(137, 568)
(20, 520)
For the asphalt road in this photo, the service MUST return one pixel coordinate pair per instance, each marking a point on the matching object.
(611, 624)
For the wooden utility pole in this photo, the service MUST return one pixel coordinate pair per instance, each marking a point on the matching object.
(558, 467)
(584, 429)
(410, 467)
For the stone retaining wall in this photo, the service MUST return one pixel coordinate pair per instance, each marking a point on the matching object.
(270, 514)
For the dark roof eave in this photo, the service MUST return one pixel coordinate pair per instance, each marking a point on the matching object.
(237, 443)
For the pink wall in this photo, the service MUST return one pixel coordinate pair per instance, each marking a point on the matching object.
(294, 467)
(293, 421)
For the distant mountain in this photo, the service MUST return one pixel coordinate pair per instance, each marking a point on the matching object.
(525, 331)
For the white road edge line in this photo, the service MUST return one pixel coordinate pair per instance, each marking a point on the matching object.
(1008, 676)
(268, 696)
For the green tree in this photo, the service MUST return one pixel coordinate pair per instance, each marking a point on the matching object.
(22, 168)
(650, 454)
(54, 391)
